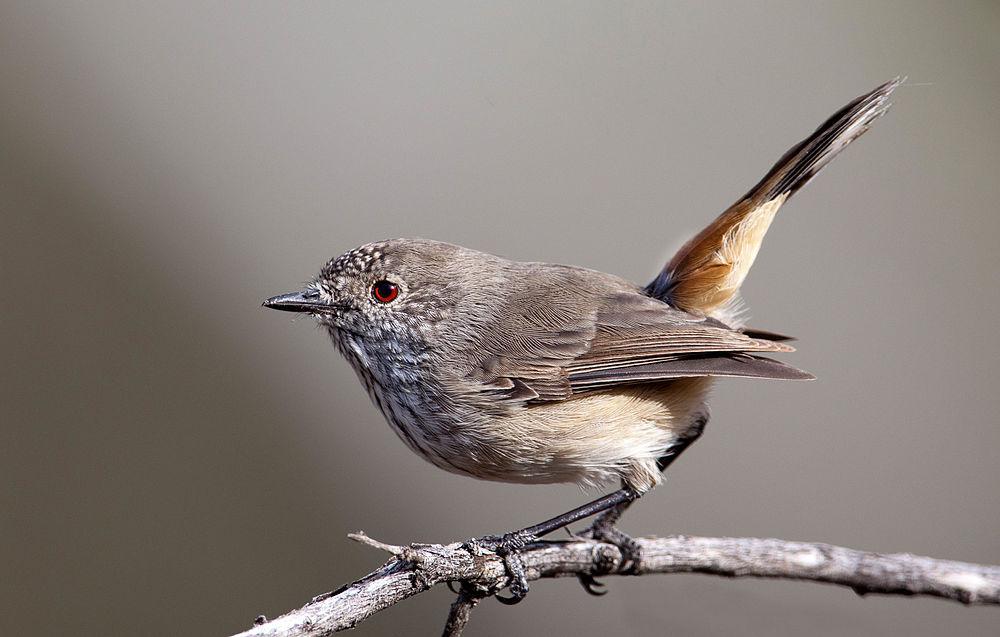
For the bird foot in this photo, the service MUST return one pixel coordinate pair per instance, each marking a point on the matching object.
(508, 547)
(629, 547)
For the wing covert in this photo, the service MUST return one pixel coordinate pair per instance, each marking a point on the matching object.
(626, 338)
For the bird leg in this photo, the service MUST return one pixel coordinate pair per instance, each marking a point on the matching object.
(509, 545)
(603, 528)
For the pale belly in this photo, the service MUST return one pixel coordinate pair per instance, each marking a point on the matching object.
(590, 440)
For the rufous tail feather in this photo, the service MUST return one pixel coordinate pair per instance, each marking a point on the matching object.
(706, 273)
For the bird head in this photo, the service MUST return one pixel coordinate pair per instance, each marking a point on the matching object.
(387, 294)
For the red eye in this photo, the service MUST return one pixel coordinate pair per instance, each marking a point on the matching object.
(385, 291)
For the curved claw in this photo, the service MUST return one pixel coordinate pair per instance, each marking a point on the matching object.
(451, 587)
(591, 584)
(518, 580)
(518, 591)
(518, 587)
(509, 601)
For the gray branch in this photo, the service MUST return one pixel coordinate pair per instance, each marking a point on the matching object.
(418, 567)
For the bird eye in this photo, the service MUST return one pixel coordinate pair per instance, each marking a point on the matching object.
(385, 291)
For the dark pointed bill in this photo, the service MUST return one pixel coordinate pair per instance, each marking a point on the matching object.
(308, 301)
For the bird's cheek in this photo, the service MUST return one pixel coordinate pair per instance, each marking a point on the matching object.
(326, 320)
(335, 319)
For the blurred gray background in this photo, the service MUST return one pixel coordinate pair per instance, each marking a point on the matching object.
(176, 460)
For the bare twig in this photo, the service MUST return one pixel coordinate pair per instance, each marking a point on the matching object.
(417, 567)
(461, 611)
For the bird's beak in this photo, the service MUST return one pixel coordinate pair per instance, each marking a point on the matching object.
(308, 301)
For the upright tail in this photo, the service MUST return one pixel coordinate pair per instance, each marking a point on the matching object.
(706, 273)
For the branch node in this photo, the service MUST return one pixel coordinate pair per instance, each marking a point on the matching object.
(461, 609)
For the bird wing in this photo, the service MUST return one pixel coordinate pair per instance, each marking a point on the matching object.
(546, 349)
(639, 339)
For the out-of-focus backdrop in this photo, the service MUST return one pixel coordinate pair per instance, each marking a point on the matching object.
(177, 460)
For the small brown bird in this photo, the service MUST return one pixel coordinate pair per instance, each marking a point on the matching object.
(541, 373)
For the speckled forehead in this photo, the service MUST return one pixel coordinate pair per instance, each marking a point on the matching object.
(357, 261)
